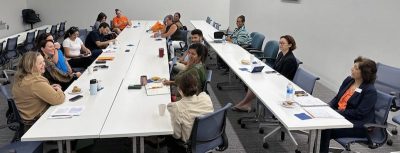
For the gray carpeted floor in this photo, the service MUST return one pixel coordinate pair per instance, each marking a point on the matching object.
(240, 140)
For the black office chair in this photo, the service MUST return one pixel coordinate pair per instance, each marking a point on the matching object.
(40, 32)
(53, 32)
(29, 43)
(14, 121)
(61, 30)
(10, 52)
(2, 59)
(208, 132)
(378, 136)
(83, 34)
(208, 20)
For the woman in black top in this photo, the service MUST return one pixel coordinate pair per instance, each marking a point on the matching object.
(171, 30)
(285, 64)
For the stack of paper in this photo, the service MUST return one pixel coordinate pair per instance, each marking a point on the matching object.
(66, 112)
(322, 112)
(156, 88)
(309, 101)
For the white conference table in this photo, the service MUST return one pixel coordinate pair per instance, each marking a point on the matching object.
(271, 89)
(97, 108)
(22, 35)
(134, 114)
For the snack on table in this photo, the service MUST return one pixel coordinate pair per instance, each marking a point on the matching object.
(76, 89)
(245, 61)
(155, 78)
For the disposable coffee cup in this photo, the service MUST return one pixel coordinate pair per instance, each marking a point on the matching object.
(161, 109)
(93, 87)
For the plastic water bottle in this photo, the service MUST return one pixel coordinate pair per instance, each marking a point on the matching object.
(289, 92)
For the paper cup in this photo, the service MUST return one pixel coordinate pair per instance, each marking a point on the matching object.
(161, 109)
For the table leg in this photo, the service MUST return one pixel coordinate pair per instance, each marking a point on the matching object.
(134, 150)
(312, 141)
(317, 140)
(68, 146)
(141, 144)
(60, 146)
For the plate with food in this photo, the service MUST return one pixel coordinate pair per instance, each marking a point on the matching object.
(156, 79)
(288, 104)
(75, 90)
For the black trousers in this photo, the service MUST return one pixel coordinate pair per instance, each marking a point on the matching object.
(327, 135)
(175, 145)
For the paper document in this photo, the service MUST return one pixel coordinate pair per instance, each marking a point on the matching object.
(309, 101)
(66, 112)
(322, 112)
(156, 88)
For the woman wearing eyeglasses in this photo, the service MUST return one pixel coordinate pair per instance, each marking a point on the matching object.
(285, 64)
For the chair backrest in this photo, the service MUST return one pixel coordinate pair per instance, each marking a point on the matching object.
(208, 20)
(1, 47)
(208, 80)
(271, 50)
(40, 32)
(12, 44)
(208, 131)
(53, 30)
(257, 40)
(298, 61)
(387, 79)
(382, 108)
(305, 80)
(82, 34)
(12, 113)
(30, 41)
(61, 29)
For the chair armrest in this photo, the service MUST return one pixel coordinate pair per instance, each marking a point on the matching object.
(255, 51)
(249, 49)
(372, 125)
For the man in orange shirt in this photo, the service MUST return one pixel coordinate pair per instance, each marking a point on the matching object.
(120, 22)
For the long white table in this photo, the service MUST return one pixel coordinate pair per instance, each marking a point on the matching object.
(101, 106)
(22, 35)
(270, 89)
(134, 114)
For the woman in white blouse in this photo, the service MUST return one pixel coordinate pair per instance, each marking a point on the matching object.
(75, 50)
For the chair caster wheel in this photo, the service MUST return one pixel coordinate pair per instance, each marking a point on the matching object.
(297, 151)
(239, 121)
(219, 87)
(261, 131)
(389, 142)
(265, 145)
(243, 126)
(394, 132)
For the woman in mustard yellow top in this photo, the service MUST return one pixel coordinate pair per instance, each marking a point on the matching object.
(32, 92)
(355, 101)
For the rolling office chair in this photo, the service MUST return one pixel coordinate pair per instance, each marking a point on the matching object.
(61, 29)
(2, 59)
(53, 31)
(208, 81)
(208, 132)
(182, 44)
(257, 40)
(378, 136)
(83, 34)
(269, 54)
(40, 32)
(29, 43)
(387, 81)
(23, 147)
(10, 52)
